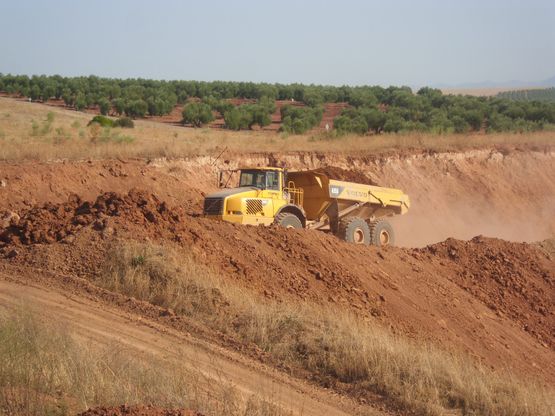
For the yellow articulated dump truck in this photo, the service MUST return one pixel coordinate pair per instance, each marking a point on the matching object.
(307, 199)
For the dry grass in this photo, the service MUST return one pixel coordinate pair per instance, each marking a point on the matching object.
(26, 134)
(45, 370)
(334, 346)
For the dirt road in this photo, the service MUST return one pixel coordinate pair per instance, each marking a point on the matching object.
(98, 322)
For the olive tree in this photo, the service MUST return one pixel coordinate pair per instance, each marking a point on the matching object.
(197, 114)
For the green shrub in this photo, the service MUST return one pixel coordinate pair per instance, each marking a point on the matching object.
(237, 119)
(124, 122)
(119, 106)
(499, 123)
(102, 121)
(359, 98)
(394, 123)
(105, 106)
(80, 102)
(221, 106)
(375, 119)
(299, 120)
(346, 124)
(197, 114)
(268, 104)
(460, 125)
(136, 108)
(440, 122)
(259, 114)
(160, 105)
(313, 98)
(247, 115)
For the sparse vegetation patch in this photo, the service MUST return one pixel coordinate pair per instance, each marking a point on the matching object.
(334, 346)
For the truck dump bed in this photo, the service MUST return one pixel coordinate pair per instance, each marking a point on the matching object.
(386, 197)
(320, 193)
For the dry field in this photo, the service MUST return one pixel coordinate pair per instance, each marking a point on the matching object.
(483, 92)
(31, 131)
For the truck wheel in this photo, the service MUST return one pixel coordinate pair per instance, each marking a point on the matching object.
(354, 230)
(381, 233)
(288, 220)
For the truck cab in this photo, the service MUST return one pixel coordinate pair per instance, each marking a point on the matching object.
(261, 194)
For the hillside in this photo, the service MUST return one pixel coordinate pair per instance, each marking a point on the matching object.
(460, 316)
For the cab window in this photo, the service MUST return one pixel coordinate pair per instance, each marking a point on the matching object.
(253, 178)
(272, 180)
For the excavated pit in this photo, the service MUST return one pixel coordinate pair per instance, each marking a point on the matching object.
(491, 296)
(508, 194)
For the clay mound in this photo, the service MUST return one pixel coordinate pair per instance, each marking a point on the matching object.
(138, 410)
(489, 297)
(510, 278)
(60, 222)
(352, 175)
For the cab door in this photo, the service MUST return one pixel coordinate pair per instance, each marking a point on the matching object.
(272, 193)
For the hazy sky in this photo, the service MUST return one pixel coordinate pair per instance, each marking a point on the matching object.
(341, 42)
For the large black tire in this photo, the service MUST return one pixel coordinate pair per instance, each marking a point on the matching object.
(354, 230)
(288, 220)
(381, 233)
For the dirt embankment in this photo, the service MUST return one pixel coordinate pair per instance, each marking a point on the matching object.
(506, 193)
(491, 298)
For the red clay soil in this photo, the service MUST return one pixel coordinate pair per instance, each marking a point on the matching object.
(138, 410)
(491, 298)
(60, 222)
(500, 275)
(331, 110)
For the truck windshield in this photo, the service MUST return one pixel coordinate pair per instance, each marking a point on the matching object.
(260, 179)
(256, 178)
